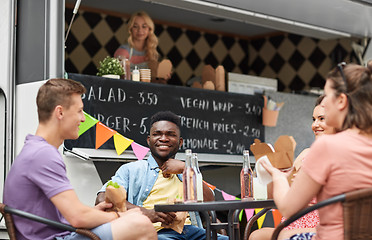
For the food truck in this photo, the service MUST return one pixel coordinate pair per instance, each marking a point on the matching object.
(34, 49)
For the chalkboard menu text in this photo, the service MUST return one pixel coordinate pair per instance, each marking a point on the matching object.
(211, 121)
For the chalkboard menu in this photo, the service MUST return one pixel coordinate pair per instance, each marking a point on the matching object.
(211, 121)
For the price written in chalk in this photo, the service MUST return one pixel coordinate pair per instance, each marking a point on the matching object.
(253, 109)
(214, 145)
(219, 106)
(119, 95)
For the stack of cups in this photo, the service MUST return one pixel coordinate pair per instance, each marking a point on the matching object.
(145, 75)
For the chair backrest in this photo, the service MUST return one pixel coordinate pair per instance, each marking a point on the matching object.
(357, 210)
(8, 222)
(7, 212)
(358, 214)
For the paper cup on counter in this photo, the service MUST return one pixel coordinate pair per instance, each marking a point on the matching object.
(145, 75)
(269, 117)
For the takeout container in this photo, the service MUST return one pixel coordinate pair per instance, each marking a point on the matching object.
(282, 155)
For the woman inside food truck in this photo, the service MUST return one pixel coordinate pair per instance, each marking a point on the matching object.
(140, 50)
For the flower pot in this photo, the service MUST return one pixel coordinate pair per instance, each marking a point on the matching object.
(111, 76)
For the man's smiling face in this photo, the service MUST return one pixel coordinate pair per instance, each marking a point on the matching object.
(164, 140)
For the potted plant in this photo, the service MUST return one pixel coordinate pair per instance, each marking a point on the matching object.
(110, 67)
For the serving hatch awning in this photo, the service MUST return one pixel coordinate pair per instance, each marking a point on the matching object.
(317, 18)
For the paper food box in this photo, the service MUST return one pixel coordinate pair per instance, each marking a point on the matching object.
(281, 156)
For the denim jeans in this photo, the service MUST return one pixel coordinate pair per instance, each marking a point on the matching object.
(103, 231)
(190, 232)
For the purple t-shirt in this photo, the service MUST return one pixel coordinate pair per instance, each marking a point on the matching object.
(37, 174)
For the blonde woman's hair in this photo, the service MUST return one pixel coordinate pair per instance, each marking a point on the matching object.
(151, 41)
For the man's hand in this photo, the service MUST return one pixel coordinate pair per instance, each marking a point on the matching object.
(166, 218)
(100, 198)
(103, 205)
(172, 166)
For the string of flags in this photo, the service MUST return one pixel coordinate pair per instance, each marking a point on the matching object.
(104, 133)
(275, 214)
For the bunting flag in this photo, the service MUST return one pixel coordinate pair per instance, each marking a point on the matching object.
(277, 216)
(89, 122)
(209, 185)
(103, 133)
(261, 219)
(228, 196)
(139, 150)
(249, 213)
(121, 143)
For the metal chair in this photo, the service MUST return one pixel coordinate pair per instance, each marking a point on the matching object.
(357, 209)
(252, 220)
(7, 212)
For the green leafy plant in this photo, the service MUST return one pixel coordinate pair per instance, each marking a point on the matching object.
(110, 65)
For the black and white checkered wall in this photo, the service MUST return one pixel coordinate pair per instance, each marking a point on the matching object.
(298, 62)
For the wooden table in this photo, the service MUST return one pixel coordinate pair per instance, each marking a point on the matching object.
(233, 207)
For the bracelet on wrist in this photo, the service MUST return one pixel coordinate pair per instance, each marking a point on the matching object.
(117, 214)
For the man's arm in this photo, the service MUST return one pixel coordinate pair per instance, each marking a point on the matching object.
(208, 195)
(166, 218)
(174, 166)
(78, 214)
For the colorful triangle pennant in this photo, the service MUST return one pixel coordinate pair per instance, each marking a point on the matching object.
(121, 143)
(103, 133)
(277, 216)
(139, 150)
(261, 219)
(249, 213)
(209, 185)
(269, 220)
(227, 196)
(88, 123)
